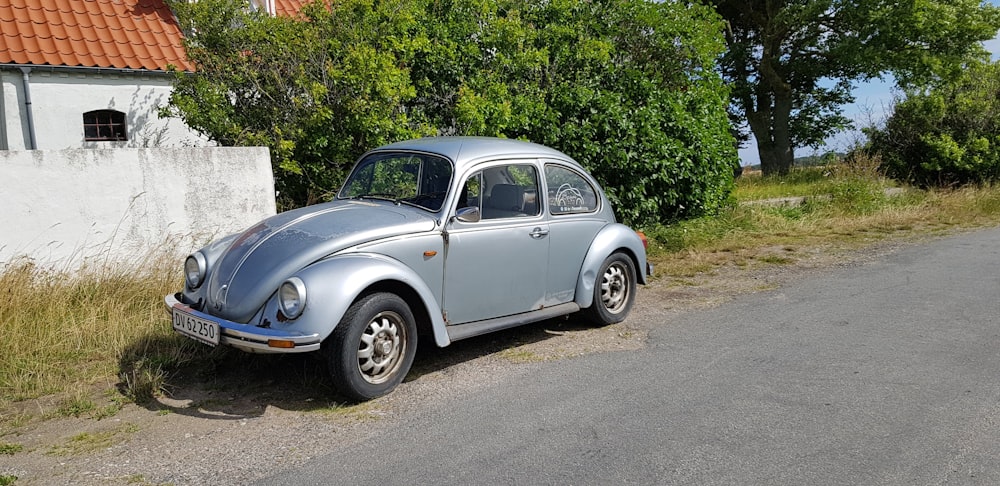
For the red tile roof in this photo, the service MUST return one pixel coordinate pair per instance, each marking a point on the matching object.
(289, 8)
(125, 34)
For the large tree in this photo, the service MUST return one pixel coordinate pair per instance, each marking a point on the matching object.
(791, 64)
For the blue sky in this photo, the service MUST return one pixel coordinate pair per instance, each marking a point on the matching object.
(872, 100)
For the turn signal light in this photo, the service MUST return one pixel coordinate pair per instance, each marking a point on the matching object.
(642, 236)
(280, 343)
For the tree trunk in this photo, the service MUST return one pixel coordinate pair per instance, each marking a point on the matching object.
(775, 151)
(770, 163)
(768, 105)
(770, 122)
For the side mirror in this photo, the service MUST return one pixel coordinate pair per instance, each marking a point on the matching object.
(468, 215)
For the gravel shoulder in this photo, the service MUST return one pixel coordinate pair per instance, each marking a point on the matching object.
(255, 415)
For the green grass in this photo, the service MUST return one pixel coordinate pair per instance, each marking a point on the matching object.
(76, 406)
(859, 172)
(85, 442)
(9, 449)
(849, 209)
(807, 181)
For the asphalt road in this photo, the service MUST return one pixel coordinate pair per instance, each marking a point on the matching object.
(886, 372)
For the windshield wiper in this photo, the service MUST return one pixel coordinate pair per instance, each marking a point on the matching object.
(382, 196)
(409, 203)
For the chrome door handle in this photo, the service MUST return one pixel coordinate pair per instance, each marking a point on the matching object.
(538, 233)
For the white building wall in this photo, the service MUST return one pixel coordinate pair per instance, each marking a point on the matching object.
(60, 97)
(65, 208)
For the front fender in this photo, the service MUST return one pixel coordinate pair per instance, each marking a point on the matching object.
(611, 238)
(211, 252)
(333, 284)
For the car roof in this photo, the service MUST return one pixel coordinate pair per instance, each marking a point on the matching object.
(464, 151)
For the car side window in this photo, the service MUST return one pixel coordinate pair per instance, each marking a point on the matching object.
(568, 191)
(503, 191)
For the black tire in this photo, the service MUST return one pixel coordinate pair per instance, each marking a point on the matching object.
(614, 291)
(371, 350)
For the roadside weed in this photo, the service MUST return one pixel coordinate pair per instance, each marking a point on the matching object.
(76, 406)
(143, 383)
(85, 442)
(9, 449)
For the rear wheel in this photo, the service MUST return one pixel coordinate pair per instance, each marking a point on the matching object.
(614, 290)
(372, 349)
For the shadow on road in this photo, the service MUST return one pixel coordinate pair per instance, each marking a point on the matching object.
(226, 384)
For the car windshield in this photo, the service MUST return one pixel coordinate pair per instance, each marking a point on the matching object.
(404, 178)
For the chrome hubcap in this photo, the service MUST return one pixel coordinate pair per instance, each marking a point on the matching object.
(382, 345)
(614, 288)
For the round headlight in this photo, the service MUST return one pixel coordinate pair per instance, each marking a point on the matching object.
(194, 270)
(292, 297)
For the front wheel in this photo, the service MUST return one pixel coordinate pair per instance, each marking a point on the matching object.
(372, 349)
(614, 290)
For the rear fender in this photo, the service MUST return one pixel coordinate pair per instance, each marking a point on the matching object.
(613, 237)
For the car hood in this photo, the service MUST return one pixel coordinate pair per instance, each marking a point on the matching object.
(260, 258)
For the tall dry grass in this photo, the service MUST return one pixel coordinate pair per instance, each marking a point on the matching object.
(99, 325)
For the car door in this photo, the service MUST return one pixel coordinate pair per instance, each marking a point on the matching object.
(496, 263)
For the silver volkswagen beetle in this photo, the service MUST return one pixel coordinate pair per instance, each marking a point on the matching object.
(445, 238)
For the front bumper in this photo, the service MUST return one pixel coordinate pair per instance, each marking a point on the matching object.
(251, 339)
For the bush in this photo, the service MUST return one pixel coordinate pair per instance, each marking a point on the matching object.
(948, 136)
(627, 88)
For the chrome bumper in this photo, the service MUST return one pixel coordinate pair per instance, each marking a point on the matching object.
(251, 339)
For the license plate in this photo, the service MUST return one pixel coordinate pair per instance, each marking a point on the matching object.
(203, 330)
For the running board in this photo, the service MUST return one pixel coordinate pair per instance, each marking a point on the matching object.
(471, 329)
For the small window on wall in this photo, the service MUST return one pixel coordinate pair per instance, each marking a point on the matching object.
(104, 126)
